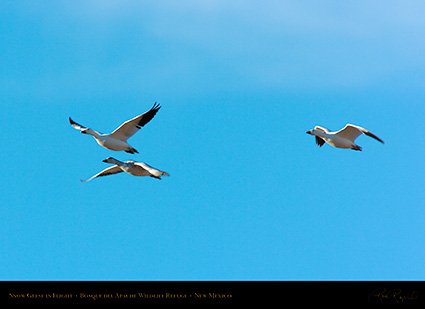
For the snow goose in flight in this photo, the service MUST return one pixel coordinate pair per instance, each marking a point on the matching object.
(130, 167)
(343, 138)
(117, 140)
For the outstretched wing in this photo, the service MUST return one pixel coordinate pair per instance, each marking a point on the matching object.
(368, 133)
(320, 141)
(351, 132)
(151, 170)
(108, 171)
(130, 127)
(76, 125)
(323, 129)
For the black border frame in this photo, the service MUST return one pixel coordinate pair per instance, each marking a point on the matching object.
(211, 292)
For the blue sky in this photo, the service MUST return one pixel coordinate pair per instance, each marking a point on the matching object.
(250, 196)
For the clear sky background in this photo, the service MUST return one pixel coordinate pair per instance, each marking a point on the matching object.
(250, 196)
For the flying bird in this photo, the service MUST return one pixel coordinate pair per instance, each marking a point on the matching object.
(117, 140)
(130, 167)
(343, 138)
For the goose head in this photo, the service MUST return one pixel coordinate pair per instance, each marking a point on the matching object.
(309, 132)
(87, 131)
(113, 161)
(109, 160)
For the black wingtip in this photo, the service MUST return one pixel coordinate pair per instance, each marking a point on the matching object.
(147, 116)
(156, 106)
(368, 133)
(319, 141)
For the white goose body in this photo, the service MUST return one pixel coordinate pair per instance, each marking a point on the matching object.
(335, 140)
(108, 142)
(343, 138)
(117, 140)
(130, 167)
